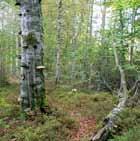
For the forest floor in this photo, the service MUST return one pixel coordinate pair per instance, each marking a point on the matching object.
(73, 116)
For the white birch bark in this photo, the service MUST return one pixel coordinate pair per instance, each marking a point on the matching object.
(32, 79)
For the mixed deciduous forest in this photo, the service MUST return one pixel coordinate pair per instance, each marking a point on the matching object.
(69, 70)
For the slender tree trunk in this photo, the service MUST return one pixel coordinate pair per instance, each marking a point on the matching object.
(2, 54)
(90, 40)
(131, 49)
(123, 92)
(88, 37)
(13, 59)
(18, 56)
(122, 47)
(73, 66)
(32, 79)
(103, 23)
(59, 40)
(75, 30)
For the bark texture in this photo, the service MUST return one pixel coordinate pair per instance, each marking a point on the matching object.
(32, 79)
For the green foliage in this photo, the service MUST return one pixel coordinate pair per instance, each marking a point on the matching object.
(86, 104)
(133, 134)
(8, 102)
(129, 118)
(3, 124)
(51, 129)
(59, 124)
(131, 72)
(79, 47)
(3, 102)
(88, 51)
(124, 4)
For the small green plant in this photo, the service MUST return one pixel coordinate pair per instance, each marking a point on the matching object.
(3, 124)
(132, 134)
(52, 129)
(129, 118)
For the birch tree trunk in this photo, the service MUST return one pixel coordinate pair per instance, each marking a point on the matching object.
(103, 11)
(75, 28)
(131, 49)
(90, 39)
(2, 54)
(59, 40)
(122, 48)
(32, 92)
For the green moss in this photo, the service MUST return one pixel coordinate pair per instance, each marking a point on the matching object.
(58, 125)
(8, 101)
(3, 103)
(49, 128)
(97, 105)
(3, 97)
(30, 39)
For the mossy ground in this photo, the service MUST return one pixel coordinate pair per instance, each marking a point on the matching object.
(73, 115)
